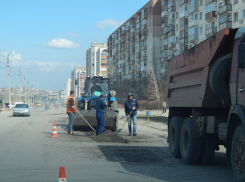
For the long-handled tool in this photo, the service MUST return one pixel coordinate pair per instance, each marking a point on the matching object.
(86, 121)
(118, 131)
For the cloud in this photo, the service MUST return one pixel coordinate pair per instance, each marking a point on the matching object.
(17, 60)
(61, 44)
(101, 25)
(72, 34)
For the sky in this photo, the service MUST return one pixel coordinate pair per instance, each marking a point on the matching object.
(50, 37)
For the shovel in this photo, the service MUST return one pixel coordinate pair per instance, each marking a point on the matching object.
(86, 121)
(118, 131)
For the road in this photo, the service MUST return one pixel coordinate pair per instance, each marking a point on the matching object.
(29, 154)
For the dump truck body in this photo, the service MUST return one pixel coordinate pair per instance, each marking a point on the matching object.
(205, 93)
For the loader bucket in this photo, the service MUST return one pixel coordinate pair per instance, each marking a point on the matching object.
(111, 121)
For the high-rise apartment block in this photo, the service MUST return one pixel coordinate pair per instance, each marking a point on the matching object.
(78, 76)
(149, 38)
(96, 59)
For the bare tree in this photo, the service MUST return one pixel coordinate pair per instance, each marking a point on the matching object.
(153, 86)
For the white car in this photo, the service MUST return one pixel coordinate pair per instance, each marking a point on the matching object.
(11, 106)
(22, 109)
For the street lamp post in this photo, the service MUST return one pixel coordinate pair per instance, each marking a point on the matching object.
(9, 76)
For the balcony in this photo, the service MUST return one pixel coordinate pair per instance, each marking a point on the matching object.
(183, 14)
(210, 31)
(171, 45)
(164, 36)
(144, 58)
(193, 23)
(184, 40)
(183, 48)
(171, 9)
(193, 38)
(144, 27)
(226, 24)
(171, 21)
(164, 48)
(164, 2)
(183, 27)
(144, 47)
(163, 59)
(165, 24)
(210, 1)
(210, 16)
(171, 33)
(183, 2)
(225, 8)
(164, 13)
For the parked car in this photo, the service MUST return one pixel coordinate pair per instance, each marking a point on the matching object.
(11, 106)
(22, 109)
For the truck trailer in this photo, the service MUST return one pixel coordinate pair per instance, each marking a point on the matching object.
(206, 97)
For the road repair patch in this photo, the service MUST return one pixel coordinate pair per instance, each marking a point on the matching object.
(109, 136)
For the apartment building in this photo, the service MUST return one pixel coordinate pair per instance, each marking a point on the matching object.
(185, 23)
(134, 48)
(96, 59)
(68, 88)
(78, 76)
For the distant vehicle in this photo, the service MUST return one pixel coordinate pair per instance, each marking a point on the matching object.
(7, 105)
(39, 103)
(11, 106)
(22, 109)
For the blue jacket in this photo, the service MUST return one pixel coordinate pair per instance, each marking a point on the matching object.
(100, 105)
(129, 105)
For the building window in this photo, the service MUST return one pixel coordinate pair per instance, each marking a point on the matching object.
(235, 1)
(236, 17)
(191, 30)
(150, 31)
(182, 8)
(176, 15)
(208, 8)
(201, 16)
(200, 30)
(214, 24)
(177, 27)
(243, 13)
(207, 26)
(201, 2)
(191, 3)
(224, 17)
(92, 65)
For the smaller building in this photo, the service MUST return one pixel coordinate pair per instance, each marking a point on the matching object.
(96, 59)
(62, 98)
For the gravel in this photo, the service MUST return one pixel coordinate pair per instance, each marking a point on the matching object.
(109, 136)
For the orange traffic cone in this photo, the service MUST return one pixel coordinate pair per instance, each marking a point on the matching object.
(62, 174)
(54, 132)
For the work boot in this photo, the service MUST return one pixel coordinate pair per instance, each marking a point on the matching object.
(135, 134)
(71, 132)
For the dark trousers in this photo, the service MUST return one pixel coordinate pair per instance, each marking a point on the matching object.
(164, 110)
(100, 116)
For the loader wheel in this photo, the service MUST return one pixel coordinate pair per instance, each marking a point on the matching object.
(238, 154)
(207, 151)
(190, 147)
(174, 136)
(219, 78)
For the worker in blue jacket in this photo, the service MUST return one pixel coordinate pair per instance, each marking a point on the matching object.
(100, 114)
(131, 106)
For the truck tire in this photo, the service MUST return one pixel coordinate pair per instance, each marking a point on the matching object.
(238, 154)
(218, 78)
(114, 105)
(190, 147)
(174, 136)
(207, 151)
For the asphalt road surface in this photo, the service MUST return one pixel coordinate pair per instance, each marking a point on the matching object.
(27, 153)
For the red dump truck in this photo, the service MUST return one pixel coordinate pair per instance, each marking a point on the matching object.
(206, 97)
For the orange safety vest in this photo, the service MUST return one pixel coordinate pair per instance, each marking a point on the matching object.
(68, 105)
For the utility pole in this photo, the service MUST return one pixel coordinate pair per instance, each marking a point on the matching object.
(20, 85)
(9, 76)
(28, 92)
(25, 88)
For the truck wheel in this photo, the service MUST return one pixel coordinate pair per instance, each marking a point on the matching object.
(114, 105)
(190, 147)
(219, 78)
(174, 136)
(207, 151)
(238, 154)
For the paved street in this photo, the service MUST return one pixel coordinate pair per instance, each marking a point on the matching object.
(27, 153)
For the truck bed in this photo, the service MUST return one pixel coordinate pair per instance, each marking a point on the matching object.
(187, 82)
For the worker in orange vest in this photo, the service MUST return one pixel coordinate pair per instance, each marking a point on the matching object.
(71, 110)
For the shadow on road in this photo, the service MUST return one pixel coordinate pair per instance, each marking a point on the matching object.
(156, 162)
